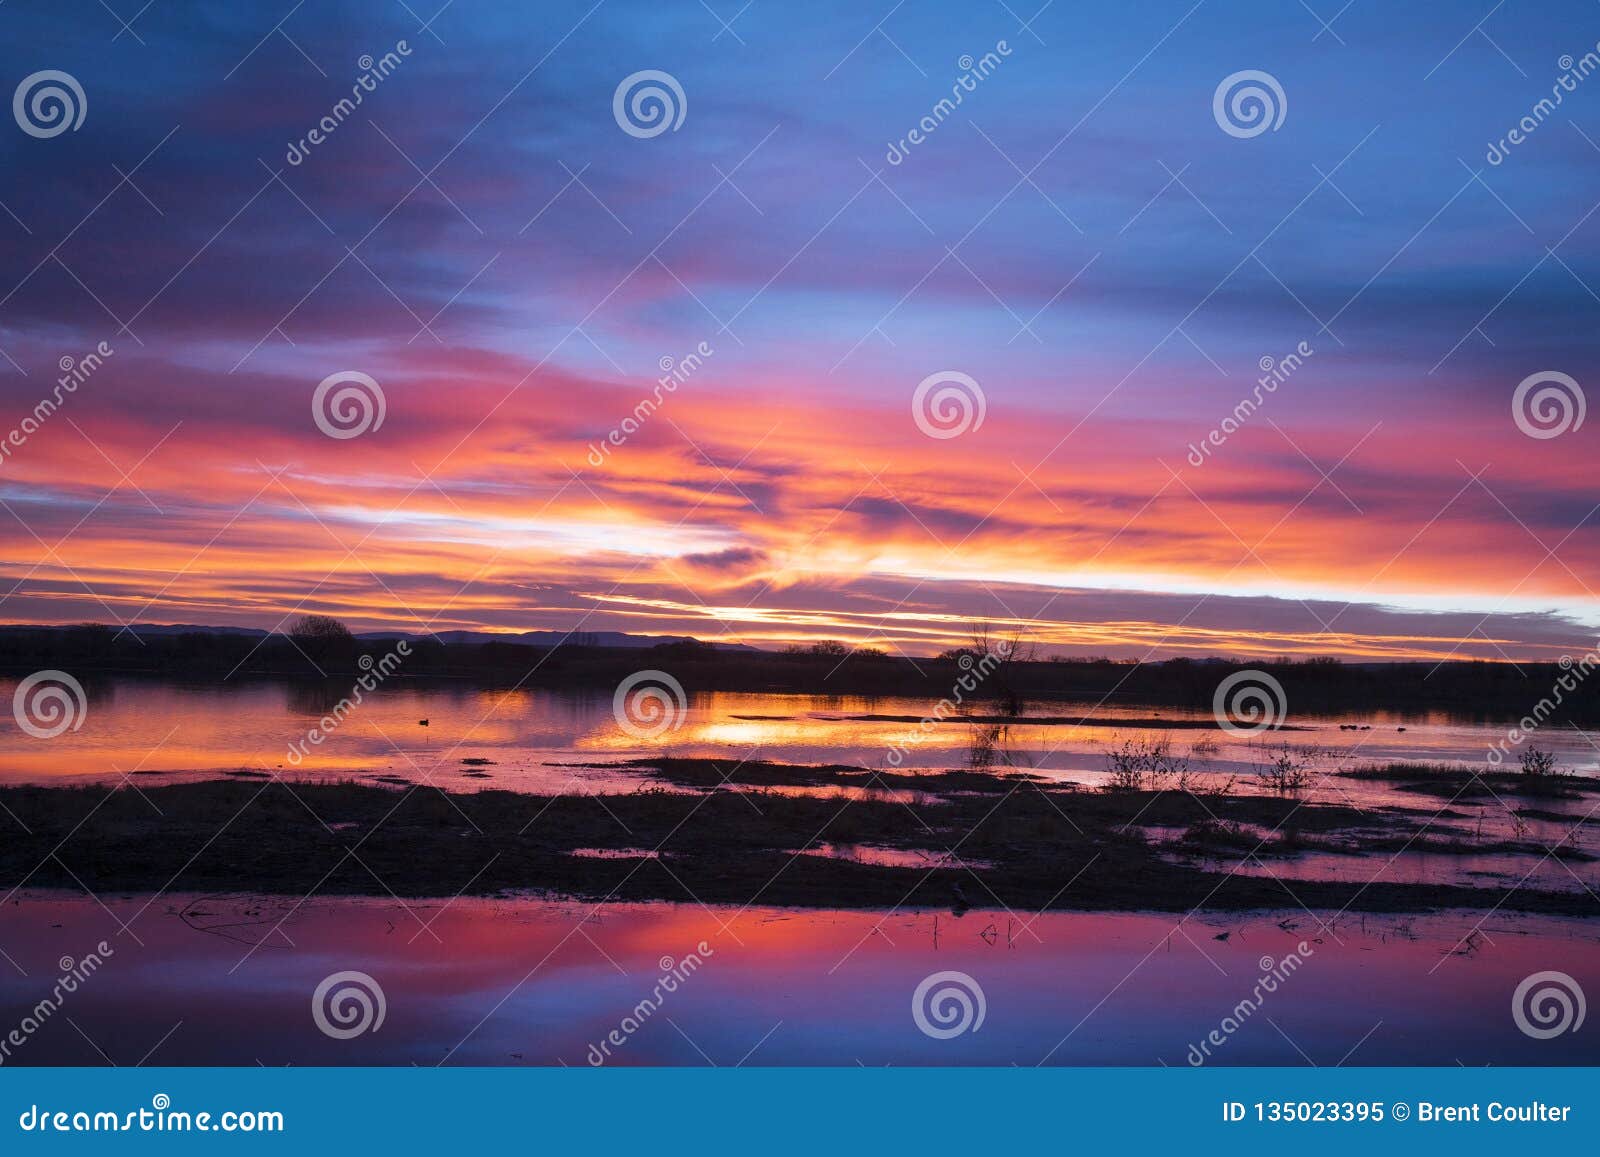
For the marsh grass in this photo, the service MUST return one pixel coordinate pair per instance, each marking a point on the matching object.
(1141, 764)
(1286, 769)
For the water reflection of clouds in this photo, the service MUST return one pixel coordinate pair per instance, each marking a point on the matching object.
(165, 726)
(534, 982)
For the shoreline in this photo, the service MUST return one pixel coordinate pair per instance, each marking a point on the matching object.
(716, 833)
(1401, 685)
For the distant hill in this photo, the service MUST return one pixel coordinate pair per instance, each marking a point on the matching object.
(552, 638)
(619, 639)
(154, 630)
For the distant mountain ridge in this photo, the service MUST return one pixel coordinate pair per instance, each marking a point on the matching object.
(551, 638)
(616, 639)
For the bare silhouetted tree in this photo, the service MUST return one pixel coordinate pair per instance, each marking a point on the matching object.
(323, 639)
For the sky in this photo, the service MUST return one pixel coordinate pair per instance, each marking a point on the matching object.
(1089, 256)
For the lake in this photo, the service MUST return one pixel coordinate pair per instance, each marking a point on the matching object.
(151, 726)
(533, 979)
(222, 980)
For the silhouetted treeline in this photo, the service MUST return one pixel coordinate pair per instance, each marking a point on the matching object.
(1490, 690)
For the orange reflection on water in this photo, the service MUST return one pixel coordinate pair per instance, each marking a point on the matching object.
(527, 981)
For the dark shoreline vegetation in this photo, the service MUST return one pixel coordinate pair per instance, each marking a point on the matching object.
(722, 833)
(1486, 690)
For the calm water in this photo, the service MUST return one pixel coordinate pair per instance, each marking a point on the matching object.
(154, 726)
(505, 982)
(229, 979)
